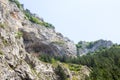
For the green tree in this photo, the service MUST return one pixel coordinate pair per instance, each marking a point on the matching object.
(60, 72)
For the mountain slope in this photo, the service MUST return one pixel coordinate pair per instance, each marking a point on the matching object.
(40, 36)
(90, 47)
(105, 64)
(23, 36)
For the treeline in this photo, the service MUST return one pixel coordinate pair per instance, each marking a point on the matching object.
(105, 64)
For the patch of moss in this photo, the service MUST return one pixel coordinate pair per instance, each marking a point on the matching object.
(1, 53)
(74, 67)
(5, 42)
(48, 25)
(2, 25)
(59, 42)
(19, 34)
(74, 78)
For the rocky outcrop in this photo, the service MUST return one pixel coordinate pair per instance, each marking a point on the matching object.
(20, 39)
(39, 39)
(90, 47)
(76, 74)
(15, 62)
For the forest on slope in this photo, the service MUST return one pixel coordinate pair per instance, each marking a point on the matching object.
(104, 65)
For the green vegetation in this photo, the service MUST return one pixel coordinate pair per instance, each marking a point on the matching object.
(19, 34)
(2, 25)
(5, 42)
(74, 67)
(47, 58)
(33, 19)
(59, 42)
(1, 53)
(90, 45)
(17, 3)
(74, 78)
(105, 64)
(78, 45)
(30, 16)
(48, 25)
(51, 59)
(60, 72)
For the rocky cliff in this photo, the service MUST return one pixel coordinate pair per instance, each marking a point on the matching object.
(90, 47)
(22, 36)
(41, 36)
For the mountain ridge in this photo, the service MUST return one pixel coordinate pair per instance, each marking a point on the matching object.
(84, 47)
(24, 38)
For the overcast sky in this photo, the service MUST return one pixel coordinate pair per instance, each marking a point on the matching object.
(87, 20)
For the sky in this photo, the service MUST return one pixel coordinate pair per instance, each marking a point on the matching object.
(80, 20)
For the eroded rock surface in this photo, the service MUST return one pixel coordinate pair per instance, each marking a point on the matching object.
(20, 39)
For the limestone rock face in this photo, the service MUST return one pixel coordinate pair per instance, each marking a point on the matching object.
(39, 39)
(20, 39)
(86, 47)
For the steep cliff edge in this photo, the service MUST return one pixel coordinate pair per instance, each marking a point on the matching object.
(39, 36)
(20, 38)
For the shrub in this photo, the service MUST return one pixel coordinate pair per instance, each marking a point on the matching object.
(46, 58)
(33, 19)
(48, 25)
(78, 45)
(60, 72)
(74, 67)
(90, 45)
(16, 2)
